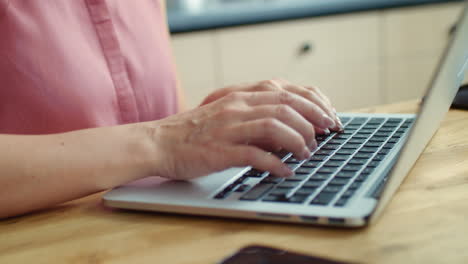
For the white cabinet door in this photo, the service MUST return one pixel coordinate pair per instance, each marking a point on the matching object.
(413, 42)
(196, 63)
(342, 56)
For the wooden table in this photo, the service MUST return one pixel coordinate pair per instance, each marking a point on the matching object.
(427, 222)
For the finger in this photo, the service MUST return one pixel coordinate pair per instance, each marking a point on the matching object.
(307, 109)
(243, 155)
(313, 97)
(288, 116)
(328, 102)
(271, 131)
(320, 131)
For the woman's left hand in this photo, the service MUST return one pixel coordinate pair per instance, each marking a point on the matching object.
(311, 93)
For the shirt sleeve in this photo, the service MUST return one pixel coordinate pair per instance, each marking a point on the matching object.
(3, 7)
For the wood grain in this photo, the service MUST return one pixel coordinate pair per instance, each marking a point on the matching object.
(425, 223)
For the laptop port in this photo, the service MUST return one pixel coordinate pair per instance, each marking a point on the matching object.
(267, 215)
(336, 221)
(310, 219)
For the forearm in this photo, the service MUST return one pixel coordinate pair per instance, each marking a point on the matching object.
(40, 171)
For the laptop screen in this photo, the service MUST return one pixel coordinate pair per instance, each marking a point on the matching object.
(434, 106)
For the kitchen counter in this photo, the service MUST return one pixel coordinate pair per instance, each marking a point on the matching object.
(194, 15)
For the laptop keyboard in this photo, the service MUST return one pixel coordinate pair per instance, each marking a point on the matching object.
(334, 172)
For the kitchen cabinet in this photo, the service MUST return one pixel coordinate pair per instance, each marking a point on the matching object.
(196, 64)
(413, 42)
(358, 60)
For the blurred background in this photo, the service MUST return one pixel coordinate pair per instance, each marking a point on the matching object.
(359, 52)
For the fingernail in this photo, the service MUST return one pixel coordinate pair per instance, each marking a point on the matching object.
(313, 145)
(334, 110)
(286, 171)
(328, 122)
(340, 124)
(326, 131)
(305, 153)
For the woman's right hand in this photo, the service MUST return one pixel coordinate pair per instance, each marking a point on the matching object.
(239, 129)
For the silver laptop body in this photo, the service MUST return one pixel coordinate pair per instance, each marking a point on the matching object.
(337, 186)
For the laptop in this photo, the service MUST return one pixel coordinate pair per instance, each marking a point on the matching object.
(347, 181)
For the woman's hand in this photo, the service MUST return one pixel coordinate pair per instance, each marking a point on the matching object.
(240, 128)
(313, 94)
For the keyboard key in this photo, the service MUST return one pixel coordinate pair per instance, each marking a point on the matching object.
(361, 136)
(368, 170)
(351, 168)
(378, 157)
(326, 170)
(242, 188)
(339, 181)
(386, 129)
(330, 147)
(336, 141)
(323, 198)
(341, 136)
(339, 157)
(312, 184)
(345, 151)
(376, 120)
(341, 202)
(298, 198)
(257, 191)
(348, 193)
(373, 164)
(373, 144)
(320, 176)
(297, 177)
(306, 191)
(384, 151)
(393, 140)
(389, 146)
(326, 152)
(345, 174)
(292, 160)
(287, 185)
(377, 139)
(333, 164)
(366, 131)
(368, 149)
(344, 119)
(357, 162)
(303, 171)
(361, 178)
(280, 191)
(221, 195)
(254, 173)
(370, 126)
(356, 141)
(353, 126)
(273, 198)
(355, 185)
(332, 188)
(272, 179)
(347, 132)
(318, 157)
(361, 155)
(311, 164)
(350, 146)
(359, 120)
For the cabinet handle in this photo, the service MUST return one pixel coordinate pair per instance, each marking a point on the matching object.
(452, 29)
(306, 48)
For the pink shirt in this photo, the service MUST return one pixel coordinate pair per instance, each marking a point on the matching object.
(73, 64)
